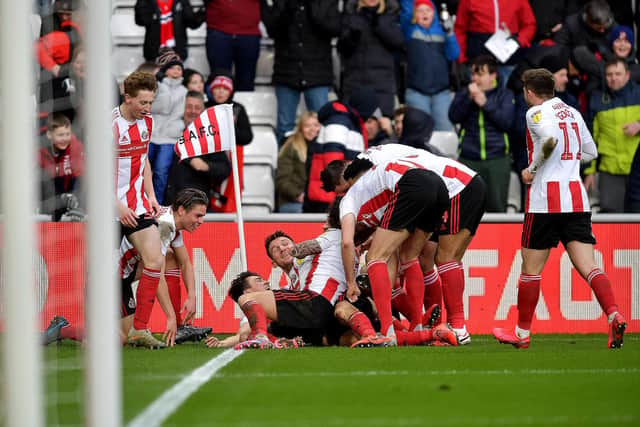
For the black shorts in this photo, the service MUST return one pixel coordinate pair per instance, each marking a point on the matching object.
(465, 209)
(545, 230)
(337, 329)
(128, 302)
(145, 220)
(419, 201)
(304, 311)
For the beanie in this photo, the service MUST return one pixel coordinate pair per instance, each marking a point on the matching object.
(619, 29)
(221, 81)
(166, 59)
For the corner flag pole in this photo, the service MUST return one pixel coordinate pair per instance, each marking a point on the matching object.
(22, 383)
(238, 195)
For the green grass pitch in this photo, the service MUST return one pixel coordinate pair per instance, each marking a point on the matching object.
(561, 380)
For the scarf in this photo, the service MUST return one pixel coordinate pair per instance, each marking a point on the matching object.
(166, 23)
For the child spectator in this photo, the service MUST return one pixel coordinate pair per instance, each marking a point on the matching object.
(167, 110)
(291, 175)
(193, 80)
(221, 89)
(61, 164)
(429, 52)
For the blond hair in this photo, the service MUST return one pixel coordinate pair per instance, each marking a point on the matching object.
(297, 141)
(381, 6)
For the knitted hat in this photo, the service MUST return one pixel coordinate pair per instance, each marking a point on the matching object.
(619, 29)
(166, 59)
(364, 100)
(429, 3)
(221, 81)
(555, 63)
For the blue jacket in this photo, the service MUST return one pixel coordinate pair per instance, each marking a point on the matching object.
(428, 52)
(483, 133)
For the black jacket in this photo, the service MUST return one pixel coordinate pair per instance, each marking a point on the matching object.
(367, 45)
(147, 14)
(302, 32)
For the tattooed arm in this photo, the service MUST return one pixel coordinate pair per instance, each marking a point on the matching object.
(308, 247)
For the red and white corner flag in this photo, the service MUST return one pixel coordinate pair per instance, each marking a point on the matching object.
(211, 132)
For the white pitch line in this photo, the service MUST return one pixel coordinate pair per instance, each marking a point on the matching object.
(444, 372)
(160, 409)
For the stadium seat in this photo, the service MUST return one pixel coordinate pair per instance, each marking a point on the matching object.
(513, 198)
(124, 30)
(125, 60)
(123, 3)
(198, 36)
(197, 59)
(447, 142)
(264, 68)
(261, 107)
(264, 147)
(255, 210)
(258, 185)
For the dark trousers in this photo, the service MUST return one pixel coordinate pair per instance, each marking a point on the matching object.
(496, 174)
(242, 51)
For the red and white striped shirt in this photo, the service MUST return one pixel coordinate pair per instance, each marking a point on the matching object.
(557, 186)
(367, 199)
(131, 141)
(323, 272)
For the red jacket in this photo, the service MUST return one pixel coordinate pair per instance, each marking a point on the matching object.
(56, 48)
(478, 16)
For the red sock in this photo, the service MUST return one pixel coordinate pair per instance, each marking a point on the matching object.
(145, 296)
(400, 325)
(528, 294)
(432, 289)
(601, 286)
(400, 302)
(72, 333)
(414, 337)
(257, 317)
(361, 325)
(452, 276)
(415, 291)
(172, 278)
(381, 292)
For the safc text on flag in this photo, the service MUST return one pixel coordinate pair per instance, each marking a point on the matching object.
(211, 132)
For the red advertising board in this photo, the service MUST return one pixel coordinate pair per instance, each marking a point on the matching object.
(492, 266)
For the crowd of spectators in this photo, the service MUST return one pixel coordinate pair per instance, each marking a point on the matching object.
(423, 61)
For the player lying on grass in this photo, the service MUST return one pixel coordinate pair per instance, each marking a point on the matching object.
(186, 213)
(467, 198)
(289, 304)
(316, 259)
(557, 206)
